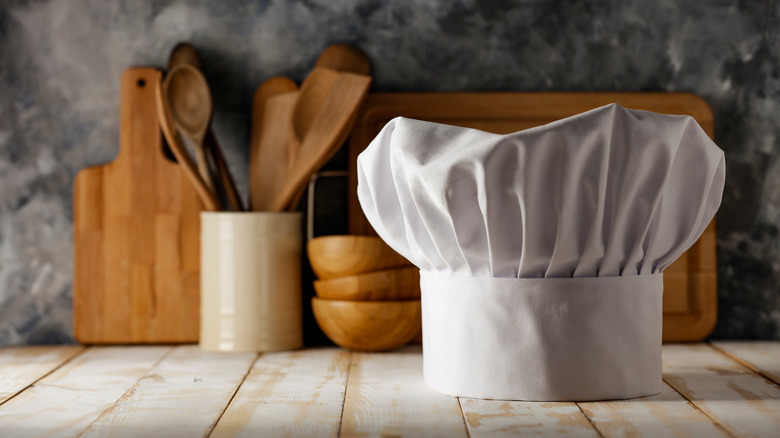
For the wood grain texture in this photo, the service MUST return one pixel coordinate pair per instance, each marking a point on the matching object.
(65, 402)
(665, 414)
(181, 391)
(762, 357)
(319, 127)
(343, 57)
(742, 402)
(339, 256)
(136, 235)
(500, 418)
(368, 325)
(270, 150)
(295, 394)
(20, 367)
(690, 291)
(184, 395)
(386, 396)
(259, 175)
(390, 284)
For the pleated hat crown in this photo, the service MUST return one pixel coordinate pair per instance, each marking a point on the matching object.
(609, 192)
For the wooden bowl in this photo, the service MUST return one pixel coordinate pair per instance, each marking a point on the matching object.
(391, 284)
(368, 325)
(338, 256)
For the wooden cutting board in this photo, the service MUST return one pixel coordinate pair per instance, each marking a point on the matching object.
(136, 235)
(690, 284)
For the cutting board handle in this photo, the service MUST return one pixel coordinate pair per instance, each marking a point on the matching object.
(137, 83)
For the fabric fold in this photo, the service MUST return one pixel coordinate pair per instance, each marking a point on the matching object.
(542, 251)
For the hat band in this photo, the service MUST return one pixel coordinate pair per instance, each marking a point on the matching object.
(543, 339)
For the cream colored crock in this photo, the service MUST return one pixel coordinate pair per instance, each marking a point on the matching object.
(250, 281)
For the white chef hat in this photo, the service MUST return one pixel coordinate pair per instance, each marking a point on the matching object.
(541, 252)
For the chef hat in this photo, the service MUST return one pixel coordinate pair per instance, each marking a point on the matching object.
(541, 252)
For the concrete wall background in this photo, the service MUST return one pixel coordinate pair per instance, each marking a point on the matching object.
(60, 63)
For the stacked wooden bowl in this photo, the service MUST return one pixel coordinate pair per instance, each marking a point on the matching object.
(368, 296)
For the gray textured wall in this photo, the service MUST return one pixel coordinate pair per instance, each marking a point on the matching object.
(60, 63)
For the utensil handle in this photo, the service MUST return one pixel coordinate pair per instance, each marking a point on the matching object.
(228, 183)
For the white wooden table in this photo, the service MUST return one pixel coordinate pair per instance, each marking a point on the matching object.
(710, 390)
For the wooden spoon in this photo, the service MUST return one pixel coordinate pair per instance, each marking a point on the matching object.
(184, 53)
(342, 57)
(190, 103)
(322, 119)
(268, 145)
(180, 151)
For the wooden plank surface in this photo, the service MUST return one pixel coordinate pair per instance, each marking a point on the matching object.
(665, 414)
(386, 396)
(290, 394)
(184, 395)
(65, 402)
(183, 391)
(20, 367)
(742, 402)
(498, 418)
(762, 357)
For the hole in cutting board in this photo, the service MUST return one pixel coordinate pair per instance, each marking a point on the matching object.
(141, 83)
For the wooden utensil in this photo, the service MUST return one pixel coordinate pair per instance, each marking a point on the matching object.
(343, 57)
(368, 325)
(323, 116)
(391, 284)
(269, 140)
(135, 234)
(184, 53)
(180, 150)
(690, 284)
(271, 164)
(338, 256)
(189, 101)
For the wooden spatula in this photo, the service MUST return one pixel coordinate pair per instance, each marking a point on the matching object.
(267, 134)
(272, 164)
(342, 57)
(323, 116)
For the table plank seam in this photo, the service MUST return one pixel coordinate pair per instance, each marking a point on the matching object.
(744, 363)
(693, 403)
(463, 415)
(43, 376)
(590, 420)
(211, 428)
(346, 388)
(129, 391)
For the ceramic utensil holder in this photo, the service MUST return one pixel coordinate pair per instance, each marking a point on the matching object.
(250, 281)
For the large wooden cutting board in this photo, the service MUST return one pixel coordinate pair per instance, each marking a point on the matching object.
(136, 235)
(690, 284)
